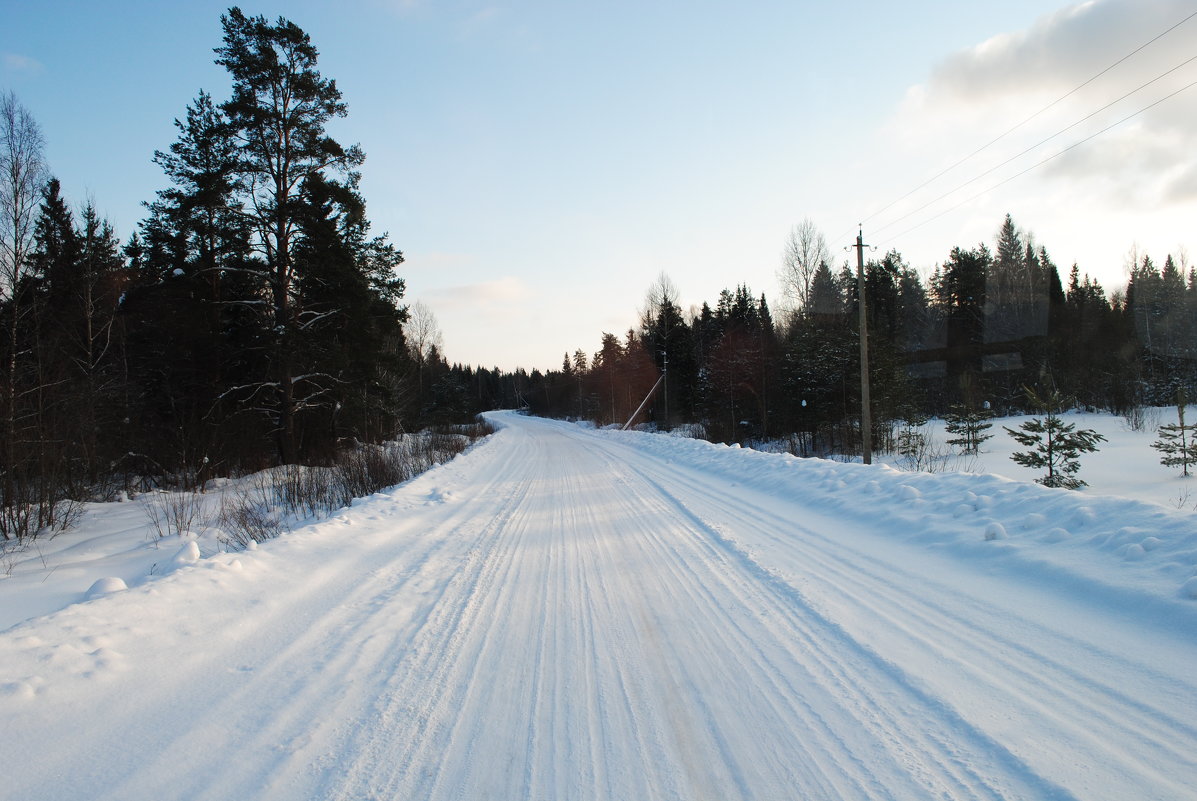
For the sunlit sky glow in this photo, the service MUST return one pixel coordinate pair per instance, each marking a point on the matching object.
(540, 163)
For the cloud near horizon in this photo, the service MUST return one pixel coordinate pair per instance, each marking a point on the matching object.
(487, 297)
(983, 91)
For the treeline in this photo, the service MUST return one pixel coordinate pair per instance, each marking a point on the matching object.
(986, 325)
(252, 320)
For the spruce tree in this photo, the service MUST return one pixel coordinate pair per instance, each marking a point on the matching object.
(351, 348)
(99, 280)
(1178, 443)
(968, 424)
(1054, 445)
(913, 441)
(73, 287)
(194, 315)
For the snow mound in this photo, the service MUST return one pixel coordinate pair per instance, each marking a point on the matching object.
(1134, 552)
(1033, 521)
(189, 554)
(106, 586)
(438, 495)
(1056, 534)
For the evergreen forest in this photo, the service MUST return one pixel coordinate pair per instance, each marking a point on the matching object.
(985, 326)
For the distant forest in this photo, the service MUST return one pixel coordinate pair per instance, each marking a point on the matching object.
(254, 319)
(988, 324)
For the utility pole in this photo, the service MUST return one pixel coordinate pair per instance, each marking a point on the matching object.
(665, 376)
(866, 416)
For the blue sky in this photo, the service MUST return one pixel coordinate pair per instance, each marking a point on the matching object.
(541, 163)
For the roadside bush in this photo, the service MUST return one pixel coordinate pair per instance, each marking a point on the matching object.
(174, 513)
(256, 512)
(250, 514)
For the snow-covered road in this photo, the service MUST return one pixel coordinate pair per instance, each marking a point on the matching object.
(567, 614)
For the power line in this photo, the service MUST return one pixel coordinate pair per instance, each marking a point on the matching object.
(1038, 144)
(1044, 161)
(1050, 105)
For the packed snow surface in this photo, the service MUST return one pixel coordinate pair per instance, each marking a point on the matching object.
(572, 614)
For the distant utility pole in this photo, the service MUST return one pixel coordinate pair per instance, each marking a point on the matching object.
(866, 416)
(665, 378)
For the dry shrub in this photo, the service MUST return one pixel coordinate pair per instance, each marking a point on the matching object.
(257, 512)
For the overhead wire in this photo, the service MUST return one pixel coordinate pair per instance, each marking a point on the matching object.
(1035, 146)
(1006, 133)
(1050, 105)
(1046, 160)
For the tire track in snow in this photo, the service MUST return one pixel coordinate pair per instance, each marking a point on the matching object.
(858, 682)
(385, 759)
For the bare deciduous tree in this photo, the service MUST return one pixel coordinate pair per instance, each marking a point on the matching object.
(805, 250)
(663, 292)
(424, 339)
(22, 173)
(422, 332)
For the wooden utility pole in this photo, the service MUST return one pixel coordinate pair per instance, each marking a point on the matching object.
(866, 417)
(665, 379)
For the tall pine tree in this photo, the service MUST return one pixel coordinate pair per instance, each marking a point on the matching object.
(278, 114)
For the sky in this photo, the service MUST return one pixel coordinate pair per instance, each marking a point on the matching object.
(541, 163)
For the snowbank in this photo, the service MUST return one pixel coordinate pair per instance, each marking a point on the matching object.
(1117, 550)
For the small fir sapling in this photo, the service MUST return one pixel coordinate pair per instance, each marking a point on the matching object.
(911, 439)
(1178, 443)
(1054, 445)
(969, 425)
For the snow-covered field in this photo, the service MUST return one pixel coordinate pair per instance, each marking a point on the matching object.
(563, 613)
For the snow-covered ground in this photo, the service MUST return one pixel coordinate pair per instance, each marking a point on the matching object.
(563, 613)
(1126, 465)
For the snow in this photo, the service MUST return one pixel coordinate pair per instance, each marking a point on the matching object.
(570, 613)
(189, 554)
(105, 586)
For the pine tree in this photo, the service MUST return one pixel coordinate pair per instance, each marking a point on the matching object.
(280, 107)
(1054, 444)
(1178, 443)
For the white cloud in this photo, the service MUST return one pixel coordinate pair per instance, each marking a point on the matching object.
(1183, 186)
(994, 86)
(1143, 167)
(22, 65)
(502, 297)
